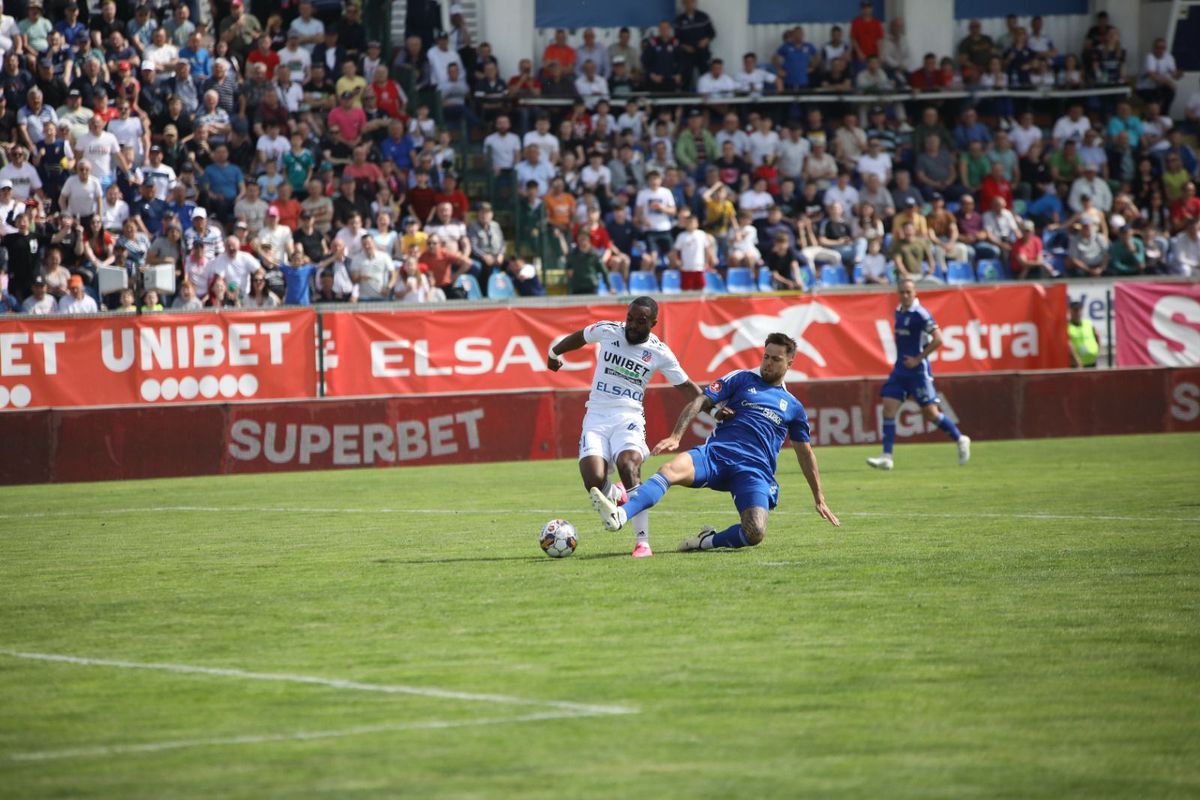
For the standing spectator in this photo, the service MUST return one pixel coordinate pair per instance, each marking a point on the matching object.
(976, 50)
(560, 52)
(662, 65)
(623, 49)
(502, 147)
(692, 253)
(894, 50)
(585, 269)
(487, 241)
(798, 60)
(371, 271)
(82, 195)
(695, 32)
(866, 32)
(597, 54)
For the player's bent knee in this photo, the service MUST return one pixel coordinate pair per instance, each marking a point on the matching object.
(754, 527)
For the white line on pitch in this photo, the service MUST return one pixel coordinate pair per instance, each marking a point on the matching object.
(1031, 515)
(334, 683)
(298, 736)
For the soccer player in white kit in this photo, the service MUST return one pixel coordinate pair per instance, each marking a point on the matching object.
(614, 428)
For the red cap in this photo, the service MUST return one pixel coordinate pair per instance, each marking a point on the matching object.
(123, 65)
(273, 211)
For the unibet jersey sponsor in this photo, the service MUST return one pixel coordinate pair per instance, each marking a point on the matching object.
(623, 370)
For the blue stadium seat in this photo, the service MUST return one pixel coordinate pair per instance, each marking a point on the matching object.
(1059, 260)
(714, 283)
(500, 286)
(858, 275)
(467, 283)
(672, 283)
(739, 280)
(618, 283)
(602, 288)
(959, 272)
(764, 280)
(808, 276)
(991, 269)
(834, 275)
(642, 283)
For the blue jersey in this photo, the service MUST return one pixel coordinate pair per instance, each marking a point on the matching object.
(914, 328)
(764, 415)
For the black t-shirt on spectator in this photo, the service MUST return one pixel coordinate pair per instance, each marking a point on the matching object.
(15, 86)
(54, 92)
(24, 252)
(182, 123)
(311, 242)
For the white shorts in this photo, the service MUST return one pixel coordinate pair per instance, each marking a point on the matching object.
(608, 435)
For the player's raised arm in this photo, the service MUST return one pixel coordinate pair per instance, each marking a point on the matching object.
(572, 341)
(808, 465)
(699, 403)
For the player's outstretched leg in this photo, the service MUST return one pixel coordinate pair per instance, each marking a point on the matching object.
(934, 414)
(747, 533)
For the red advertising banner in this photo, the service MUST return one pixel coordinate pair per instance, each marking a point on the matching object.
(156, 359)
(217, 438)
(1018, 327)
(1158, 324)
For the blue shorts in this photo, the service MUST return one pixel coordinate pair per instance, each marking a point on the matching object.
(917, 385)
(750, 487)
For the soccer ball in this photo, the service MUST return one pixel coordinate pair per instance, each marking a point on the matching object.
(558, 538)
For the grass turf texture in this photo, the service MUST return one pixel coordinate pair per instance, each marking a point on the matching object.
(968, 632)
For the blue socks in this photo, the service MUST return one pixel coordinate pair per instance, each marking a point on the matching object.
(947, 424)
(730, 537)
(889, 435)
(646, 496)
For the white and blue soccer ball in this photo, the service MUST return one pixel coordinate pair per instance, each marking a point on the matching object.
(558, 538)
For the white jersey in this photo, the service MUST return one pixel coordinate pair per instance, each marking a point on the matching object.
(623, 370)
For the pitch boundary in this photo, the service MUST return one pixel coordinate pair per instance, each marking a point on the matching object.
(1028, 515)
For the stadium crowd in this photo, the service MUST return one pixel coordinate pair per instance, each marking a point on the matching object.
(279, 157)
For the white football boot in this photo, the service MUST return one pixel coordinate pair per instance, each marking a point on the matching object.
(612, 517)
(694, 543)
(881, 462)
(964, 449)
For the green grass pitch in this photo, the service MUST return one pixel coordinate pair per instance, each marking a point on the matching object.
(1026, 626)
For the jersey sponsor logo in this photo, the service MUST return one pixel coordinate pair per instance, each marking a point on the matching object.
(751, 332)
(769, 413)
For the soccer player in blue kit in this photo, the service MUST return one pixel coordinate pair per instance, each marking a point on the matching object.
(917, 336)
(739, 457)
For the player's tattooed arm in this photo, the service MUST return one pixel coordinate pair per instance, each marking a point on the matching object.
(699, 404)
(808, 465)
(572, 341)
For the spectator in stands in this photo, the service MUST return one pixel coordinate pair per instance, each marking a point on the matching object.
(1087, 255)
(76, 300)
(1094, 187)
(976, 49)
(935, 170)
(560, 52)
(797, 60)
(695, 32)
(39, 302)
(866, 33)
(662, 67)
(912, 255)
(1027, 255)
(894, 50)
(1185, 250)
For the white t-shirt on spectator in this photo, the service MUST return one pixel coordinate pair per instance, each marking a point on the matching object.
(82, 199)
(723, 86)
(591, 177)
(791, 156)
(879, 165)
(67, 304)
(272, 148)
(763, 145)
(693, 248)
(741, 142)
(237, 268)
(752, 82)
(375, 270)
(656, 221)
(1023, 138)
(352, 242)
(1066, 128)
(1163, 66)
(162, 176)
(547, 143)
(25, 179)
(98, 151)
(439, 64)
(756, 203)
(848, 197)
(314, 27)
(634, 122)
(128, 132)
(592, 90)
(503, 151)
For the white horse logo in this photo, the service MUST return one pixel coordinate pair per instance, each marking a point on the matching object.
(750, 332)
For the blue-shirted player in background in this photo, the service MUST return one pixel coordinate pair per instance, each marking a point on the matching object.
(917, 335)
(739, 457)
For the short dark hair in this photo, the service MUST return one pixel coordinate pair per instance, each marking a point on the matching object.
(784, 341)
(647, 303)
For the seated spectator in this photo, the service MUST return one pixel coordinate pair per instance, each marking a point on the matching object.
(970, 129)
(754, 80)
(1027, 255)
(1185, 209)
(1094, 187)
(781, 261)
(912, 255)
(1127, 253)
(1185, 250)
(935, 170)
(1087, 255)
(929, 77)
(716, 83)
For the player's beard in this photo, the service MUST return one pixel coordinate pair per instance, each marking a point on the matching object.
(632, 340)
